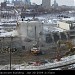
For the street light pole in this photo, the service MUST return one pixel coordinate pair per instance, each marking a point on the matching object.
(10, 58)
(10, 51)
(3, 44)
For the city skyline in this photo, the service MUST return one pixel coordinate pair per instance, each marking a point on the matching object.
(60, 2)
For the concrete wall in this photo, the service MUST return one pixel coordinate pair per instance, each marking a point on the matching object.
(29, 29)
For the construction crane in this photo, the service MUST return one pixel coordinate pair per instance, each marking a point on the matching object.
(69, 46)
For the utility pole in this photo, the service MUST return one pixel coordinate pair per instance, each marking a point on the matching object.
(10, 58)
(10, 50)
(3, 43)
(35, 33)
(58, 51)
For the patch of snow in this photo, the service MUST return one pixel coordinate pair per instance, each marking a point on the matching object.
(7, 34)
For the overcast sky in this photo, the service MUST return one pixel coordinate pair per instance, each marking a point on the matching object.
(60, 2)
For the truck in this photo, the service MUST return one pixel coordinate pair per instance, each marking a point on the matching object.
(35, 50)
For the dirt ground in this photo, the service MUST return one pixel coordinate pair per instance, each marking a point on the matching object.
(20, 56)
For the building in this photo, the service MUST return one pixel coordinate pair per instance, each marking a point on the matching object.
(36, 30)
(64, 25)
(21, 3)
(12, 1)
(3, 5)
(29, 29)
(46, 4)
(17, 2)
(55, 5)
(69, 26)
(27, 2)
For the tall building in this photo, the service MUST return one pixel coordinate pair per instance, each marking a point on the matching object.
(55, 5)
(46, 4)
(27, 1)
(55, 2)
(12, 1)
(5, 0)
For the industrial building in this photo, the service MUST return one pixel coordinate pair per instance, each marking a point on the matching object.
(69, 26)
(36, 30)
(64, 25)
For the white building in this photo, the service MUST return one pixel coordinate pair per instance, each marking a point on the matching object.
(69, 26)
(46, 4)
(27, 1)
(64, 25)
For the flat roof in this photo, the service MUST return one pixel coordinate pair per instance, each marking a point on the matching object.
(69, 22)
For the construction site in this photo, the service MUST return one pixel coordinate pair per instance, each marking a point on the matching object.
(35, 43)
(37, 37)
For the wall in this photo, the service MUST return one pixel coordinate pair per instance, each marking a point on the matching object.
(29, 29)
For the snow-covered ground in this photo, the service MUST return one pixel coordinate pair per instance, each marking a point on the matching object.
(8, 34)
(8, 20)
(69, 60)
(2, 31)
(64, 61)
